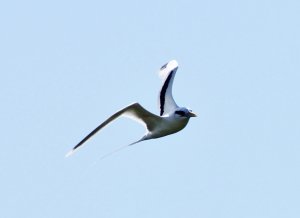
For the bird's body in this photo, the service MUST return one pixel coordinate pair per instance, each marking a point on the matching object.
(171, 120)
(163, 127)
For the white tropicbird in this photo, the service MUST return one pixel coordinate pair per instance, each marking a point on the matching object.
(172, 117)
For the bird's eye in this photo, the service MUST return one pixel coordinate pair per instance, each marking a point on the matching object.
(181, 113)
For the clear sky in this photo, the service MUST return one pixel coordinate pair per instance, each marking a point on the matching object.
(67, 65)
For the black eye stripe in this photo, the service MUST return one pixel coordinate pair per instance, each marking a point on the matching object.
(181, 113)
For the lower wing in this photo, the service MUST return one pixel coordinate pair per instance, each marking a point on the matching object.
(134, 111)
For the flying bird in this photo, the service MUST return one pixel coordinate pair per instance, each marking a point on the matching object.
(171, 119)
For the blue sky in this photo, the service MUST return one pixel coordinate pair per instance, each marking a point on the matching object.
(68, 65)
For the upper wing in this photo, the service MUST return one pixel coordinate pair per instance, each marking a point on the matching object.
(135, 111)
(166, 101)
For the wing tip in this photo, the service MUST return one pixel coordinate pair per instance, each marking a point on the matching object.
(170, 65)
(71, 152)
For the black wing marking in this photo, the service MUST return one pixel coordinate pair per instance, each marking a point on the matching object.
(163, 93)
(167, 104)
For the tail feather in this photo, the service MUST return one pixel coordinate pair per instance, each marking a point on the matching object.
(142, 139)
(121, 148)
(113, 151)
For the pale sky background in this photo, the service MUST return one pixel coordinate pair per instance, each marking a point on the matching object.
(67, 65)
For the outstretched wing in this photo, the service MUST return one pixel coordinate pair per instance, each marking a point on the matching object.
(165, 99)
(134, 111)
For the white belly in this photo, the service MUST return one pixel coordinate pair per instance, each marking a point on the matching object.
(169, 126)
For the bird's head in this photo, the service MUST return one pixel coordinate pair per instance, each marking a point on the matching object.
(184, 112)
